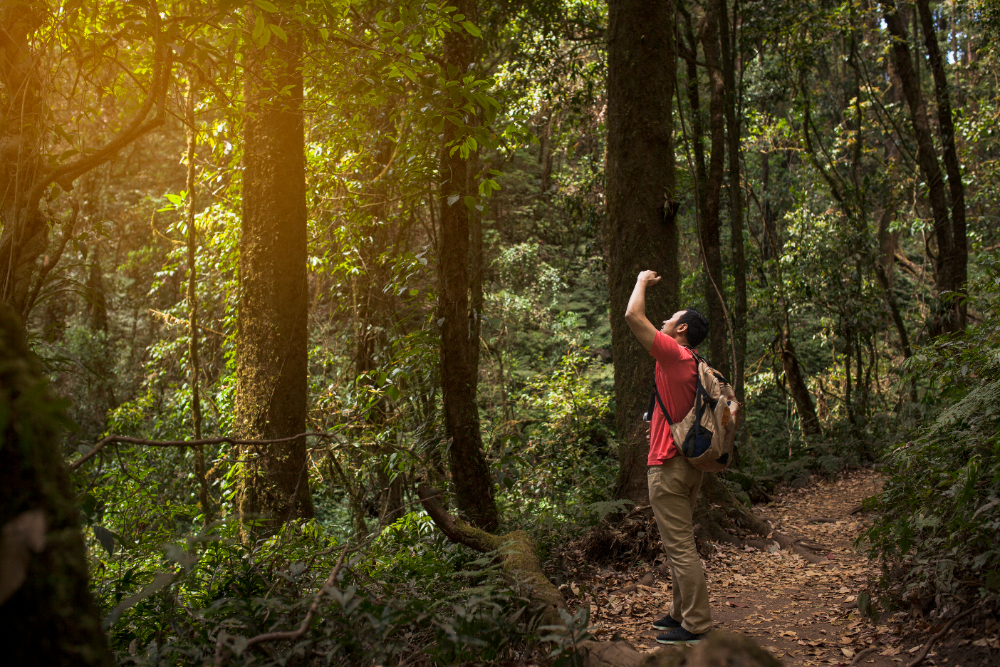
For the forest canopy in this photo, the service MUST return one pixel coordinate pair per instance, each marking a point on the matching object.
(313, 308)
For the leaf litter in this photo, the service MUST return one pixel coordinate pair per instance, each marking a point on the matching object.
(804, 613)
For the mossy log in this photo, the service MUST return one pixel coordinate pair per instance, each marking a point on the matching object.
(47, 616)
(520, 556)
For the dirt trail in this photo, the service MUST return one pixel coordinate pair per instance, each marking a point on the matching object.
(803, 613)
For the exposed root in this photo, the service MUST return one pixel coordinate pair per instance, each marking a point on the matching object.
(520, 557)
(930, 642)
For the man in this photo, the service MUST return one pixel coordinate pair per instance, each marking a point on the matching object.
(673, 482)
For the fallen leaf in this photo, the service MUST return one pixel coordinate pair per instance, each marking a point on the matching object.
(848, 653)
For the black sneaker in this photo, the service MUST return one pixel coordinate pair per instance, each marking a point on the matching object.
(666, 623)
(678, 636)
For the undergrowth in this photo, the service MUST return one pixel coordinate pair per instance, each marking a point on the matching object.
(937, 531)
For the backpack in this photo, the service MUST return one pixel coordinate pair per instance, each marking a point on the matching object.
(707, 434)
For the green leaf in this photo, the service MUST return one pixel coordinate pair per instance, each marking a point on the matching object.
(279, 31)
(106, 538)
(392, 393)
(266, 6)
(471, 28)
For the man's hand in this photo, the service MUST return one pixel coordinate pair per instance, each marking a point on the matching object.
(635, 314)
(648, 277)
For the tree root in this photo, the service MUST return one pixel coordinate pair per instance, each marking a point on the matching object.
(520, 560)
(861, 654)
(930, 642)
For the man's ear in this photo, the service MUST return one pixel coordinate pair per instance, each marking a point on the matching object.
(682, 327)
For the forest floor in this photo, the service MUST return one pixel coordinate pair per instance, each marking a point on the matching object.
(804, 613)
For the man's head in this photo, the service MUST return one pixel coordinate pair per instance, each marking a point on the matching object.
(687, 327)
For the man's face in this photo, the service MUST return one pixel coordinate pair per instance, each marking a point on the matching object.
(670, 327)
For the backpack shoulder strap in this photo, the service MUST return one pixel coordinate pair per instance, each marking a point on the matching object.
(659, 401)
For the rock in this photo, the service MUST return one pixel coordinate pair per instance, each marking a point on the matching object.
(608, 654)
(719, 649)
(647, 579)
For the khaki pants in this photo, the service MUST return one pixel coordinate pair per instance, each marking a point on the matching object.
(673, 489)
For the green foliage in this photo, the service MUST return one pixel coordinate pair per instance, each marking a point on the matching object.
(409, 592)
(938, 528)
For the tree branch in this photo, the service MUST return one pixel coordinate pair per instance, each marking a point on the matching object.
(67, 173)
(289, 635)
(104, 442)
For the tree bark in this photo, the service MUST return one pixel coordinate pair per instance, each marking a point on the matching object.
(710, 230)
(272, 336)
(470, 473)
(949, 232)
(639, 228)
(47, 616)
(730, 56)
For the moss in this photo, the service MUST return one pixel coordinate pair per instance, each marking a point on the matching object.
(51, 619)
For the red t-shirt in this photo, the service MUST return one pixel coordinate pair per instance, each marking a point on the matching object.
(676, 382)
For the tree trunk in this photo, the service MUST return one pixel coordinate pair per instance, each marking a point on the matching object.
(710, 232)
(949, 232)
(47, 616)
(959, 258)
(194, 376)
(730, 55)
(883, 271)
(271, 355)
(470, 473)
(797, 386)
(639, 229)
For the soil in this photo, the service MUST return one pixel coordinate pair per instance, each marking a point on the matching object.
(804, 613)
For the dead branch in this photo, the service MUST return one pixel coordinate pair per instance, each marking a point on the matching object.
(930, 642)
(104, 442)
(861, 654)
(221, 655)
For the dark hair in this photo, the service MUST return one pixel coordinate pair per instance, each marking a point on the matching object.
(697, 326)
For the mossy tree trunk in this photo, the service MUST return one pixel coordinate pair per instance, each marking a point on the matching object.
(271, 344)
(639, 228)
(47, 616)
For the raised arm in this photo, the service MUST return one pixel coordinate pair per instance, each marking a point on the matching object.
(635, 314)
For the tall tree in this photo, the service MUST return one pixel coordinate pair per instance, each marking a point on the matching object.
(191, 128)
(730, 60)
(457, 312)
(951, 257)
(273, 317)
(640, 230)
(712, 198)
(47, 616)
